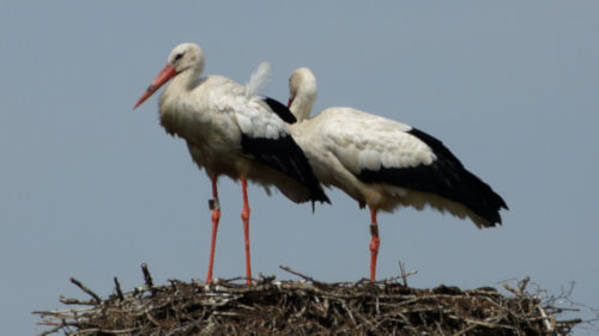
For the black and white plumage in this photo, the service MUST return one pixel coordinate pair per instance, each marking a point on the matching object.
(385, 164)
(446, 177)
(231, 131)
(281, 110)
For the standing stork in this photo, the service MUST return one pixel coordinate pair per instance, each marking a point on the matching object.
(385, 164)
(230, 131)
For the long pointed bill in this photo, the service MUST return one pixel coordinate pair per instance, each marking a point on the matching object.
(163, 76)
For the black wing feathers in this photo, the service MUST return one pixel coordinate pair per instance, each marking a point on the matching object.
(280, 109)
(284, 155)
(446, 177)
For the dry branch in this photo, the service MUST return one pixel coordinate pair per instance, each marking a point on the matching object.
(117, 287)
(148, 278)
(86, 290)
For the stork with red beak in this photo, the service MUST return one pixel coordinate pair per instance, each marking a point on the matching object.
(231, 131)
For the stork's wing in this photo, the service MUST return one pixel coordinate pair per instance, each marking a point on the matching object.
(265, 137)
(363, 141)
(378, 150)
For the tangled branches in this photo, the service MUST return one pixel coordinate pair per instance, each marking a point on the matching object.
(308, 307)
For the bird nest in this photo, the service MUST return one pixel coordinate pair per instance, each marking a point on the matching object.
(306, 307)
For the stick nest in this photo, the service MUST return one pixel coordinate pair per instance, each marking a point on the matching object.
(307, 307)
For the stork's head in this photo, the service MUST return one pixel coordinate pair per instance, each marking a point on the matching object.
(302, 92)
(185, 57)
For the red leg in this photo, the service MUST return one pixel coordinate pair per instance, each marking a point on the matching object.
(245, 216)
(215, 206)
(375, 243)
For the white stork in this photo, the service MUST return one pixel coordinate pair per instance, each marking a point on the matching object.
(385, 164)
(230, 131)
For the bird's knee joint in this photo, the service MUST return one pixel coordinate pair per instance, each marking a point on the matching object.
(245, 213)
(375, 243)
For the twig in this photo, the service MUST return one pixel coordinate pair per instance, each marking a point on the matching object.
(119, 292)
(95, 331)
(571, 322)
(233, 279)
(51, 331)
(305, 277)
(86, 290)
(465, 330)
(546, 322)
(522, 285)
(349, 313)
(404, 275)
(69, 301)
(148, 278)
(512, 289)
(152, 319)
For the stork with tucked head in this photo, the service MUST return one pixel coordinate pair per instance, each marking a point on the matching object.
(230, 131)
(385, 164)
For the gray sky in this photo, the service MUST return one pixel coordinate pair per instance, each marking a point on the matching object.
(90, 188)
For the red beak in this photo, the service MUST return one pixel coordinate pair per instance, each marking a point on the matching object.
(290, 101)
(163, 76)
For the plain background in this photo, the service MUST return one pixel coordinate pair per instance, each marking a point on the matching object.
(90, 188)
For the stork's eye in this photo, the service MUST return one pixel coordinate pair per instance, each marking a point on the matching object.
(178, 56)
